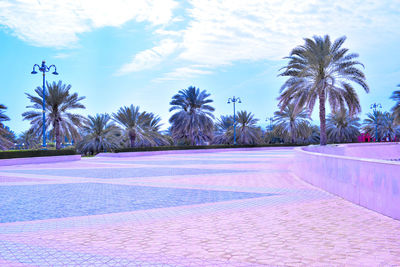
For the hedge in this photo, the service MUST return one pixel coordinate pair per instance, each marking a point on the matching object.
(11, 154)
(161, 148)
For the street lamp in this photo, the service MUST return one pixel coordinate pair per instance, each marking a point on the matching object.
(271, 120)
(375, 106)
(43, 68)
(234, 100)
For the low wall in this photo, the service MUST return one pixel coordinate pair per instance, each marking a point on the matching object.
(371, 183)
(386, 151)
(187, 151)
(38, 160)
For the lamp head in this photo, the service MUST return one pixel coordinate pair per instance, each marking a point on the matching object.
(229, 102)
(55, 72)
(240, 101)
(34, 72)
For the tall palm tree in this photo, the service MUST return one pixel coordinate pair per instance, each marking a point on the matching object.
(292, 121)
(140, 128)
(248, 133)
(5, 142)
(325, 71)
(193, 120)
(223, 129)
(99, 134)
(59, 102)
(341, 127)
(396, 109)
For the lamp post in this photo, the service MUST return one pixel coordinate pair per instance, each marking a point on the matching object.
(375, 106)
(43, 68)
(234, 100)
(271, 119)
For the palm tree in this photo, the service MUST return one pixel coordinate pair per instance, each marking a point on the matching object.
(292, 122)
(223, 130)
(341, 127)
(29, 140)
(154, 132)
(325, 71)
(59, 102)
(396, 109)
(248, 133)
(99, 134)
(311, 134)
(140, 128)
(5, 142)
(372, 124)
(389, 127)
(193, 120)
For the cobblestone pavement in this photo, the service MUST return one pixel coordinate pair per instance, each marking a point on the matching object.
(231, 208)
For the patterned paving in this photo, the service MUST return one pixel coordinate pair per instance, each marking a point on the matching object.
(232, 208)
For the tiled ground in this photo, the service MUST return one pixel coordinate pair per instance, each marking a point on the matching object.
(241, 208)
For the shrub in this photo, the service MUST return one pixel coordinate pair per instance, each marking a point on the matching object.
(35, 153)
(161, 148)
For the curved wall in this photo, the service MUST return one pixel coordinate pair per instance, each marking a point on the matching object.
(355, 172)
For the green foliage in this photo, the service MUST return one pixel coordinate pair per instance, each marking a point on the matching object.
(6, 136)
(387, 126)
(292, 123)
(247, 131)
(59, 121)
(224, 130)
(29, 140)
(396, 109)
(193, 120)
(201, 147)
(325, 71)
(342, 127)
(35, 153)
(140, 128)
(99, 134)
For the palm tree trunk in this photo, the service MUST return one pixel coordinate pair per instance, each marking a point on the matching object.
(57, 134)
(132, 138)
(322, 119)
(292, 137)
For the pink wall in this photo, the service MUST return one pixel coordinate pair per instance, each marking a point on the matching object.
(361, 150)
(371, 183)
(38, 160)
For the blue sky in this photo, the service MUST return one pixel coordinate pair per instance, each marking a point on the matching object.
(142, 52)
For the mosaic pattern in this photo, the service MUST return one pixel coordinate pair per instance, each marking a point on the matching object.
(29, 203)
(111, 173)
(183, 162)
(245, 208)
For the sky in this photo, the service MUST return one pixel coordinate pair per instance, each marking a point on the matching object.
(142, 52)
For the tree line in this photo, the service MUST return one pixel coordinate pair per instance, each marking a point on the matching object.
(319, 71)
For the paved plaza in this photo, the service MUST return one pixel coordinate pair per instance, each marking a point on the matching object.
(228, 208)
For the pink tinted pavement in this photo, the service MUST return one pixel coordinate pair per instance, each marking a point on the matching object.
(234, 208)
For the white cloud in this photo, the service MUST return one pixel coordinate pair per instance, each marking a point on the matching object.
(184, 73)
(52, 23)
(62, 55)
(221, 32)
(149, 58)
(205, 32)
